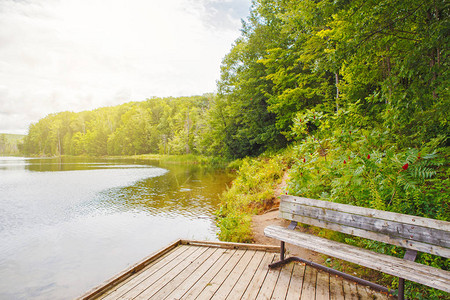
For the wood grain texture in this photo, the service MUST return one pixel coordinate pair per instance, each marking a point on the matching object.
(233, 277)
(323, 286)
(336, 288)
(407, 219)
(282, 285)
(206, 277)
(248, 275)
(208, 271)
(405, 243)
(309, 285)
(253, 288)
(423, 274)
(215, 260)
(370, 224)
(296, 284)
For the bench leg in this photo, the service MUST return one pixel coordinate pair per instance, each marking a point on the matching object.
(411, 256)
(401, 289)
(282, 260)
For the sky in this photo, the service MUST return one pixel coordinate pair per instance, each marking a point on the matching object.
(75, 55)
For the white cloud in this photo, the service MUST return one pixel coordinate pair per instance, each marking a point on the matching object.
(82, 54)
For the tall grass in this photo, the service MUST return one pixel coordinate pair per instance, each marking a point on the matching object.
(251, 192)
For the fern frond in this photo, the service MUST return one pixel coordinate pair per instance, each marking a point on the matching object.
(359, 170)
(423, 173)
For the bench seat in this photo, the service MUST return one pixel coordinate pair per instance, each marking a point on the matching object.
(430, 276)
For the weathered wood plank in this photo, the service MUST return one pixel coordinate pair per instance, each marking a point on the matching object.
(323, 286)
(405, 243)
(392, 228)
(336, 288)
(350, 291)
(282, 286)
(138, 286)
(233, 277)
(388, 264)
(367, 293)
(106, 286)
(381, 296)
(296, 284)
(407, 219)
(147, 272)
(189, 282)
(363, 292)
(309, 284)
(204, 280)
(187, 271)
(173, 282)
(212, 286)
(150, 289)
(247, 276)
(229, 245)
(253, 288)
(266, 290)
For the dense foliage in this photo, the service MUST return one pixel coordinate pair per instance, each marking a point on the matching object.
(361, 89)
(252, 192)
(165, 126)
(10, 144)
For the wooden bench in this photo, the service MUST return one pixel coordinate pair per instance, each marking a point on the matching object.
(410, 232)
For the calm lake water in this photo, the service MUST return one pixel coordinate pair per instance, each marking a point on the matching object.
(68, 225)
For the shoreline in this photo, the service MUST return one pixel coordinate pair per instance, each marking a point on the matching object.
(270, 217)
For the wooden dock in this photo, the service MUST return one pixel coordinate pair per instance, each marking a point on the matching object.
(218, 270)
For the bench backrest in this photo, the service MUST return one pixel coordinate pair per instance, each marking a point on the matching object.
(412, 232)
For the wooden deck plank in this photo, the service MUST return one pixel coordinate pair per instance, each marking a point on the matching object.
(211, 287)
(253, 288)
(266, 290)
(148, 290)
(282, 286)
(336, 288)
(247, 276)
(124, 286)
(363, 292)
(189, 282)
(231, 280)
(382, 296)
(371, 294)
(323, 286)
(350, 291)
(205, 278)
(135, 287)
(175, 281)
(217, 281)
(233, 272)
(296, 284)
(309, 284)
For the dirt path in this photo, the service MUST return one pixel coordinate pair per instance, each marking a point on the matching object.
(270, 217)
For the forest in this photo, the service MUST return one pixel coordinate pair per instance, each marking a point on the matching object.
(351, 96)
(10, 144)
(158, 125)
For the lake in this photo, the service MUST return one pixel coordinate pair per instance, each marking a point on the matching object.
(67, 225)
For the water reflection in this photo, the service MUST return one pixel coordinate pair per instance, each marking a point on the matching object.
(67, 225)
(191, 192)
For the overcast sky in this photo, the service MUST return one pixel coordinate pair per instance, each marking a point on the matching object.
(58, 55)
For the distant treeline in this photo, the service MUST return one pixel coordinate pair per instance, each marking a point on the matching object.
(165, 126)
(10, 144)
